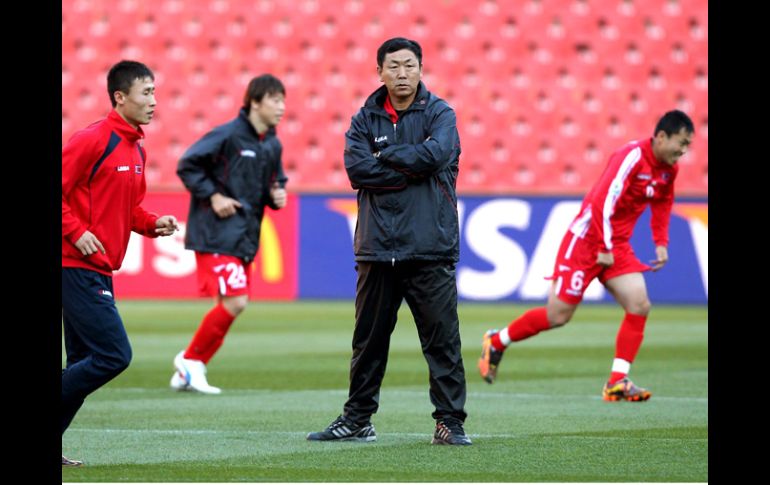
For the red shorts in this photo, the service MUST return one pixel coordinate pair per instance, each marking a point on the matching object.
(576, 266)
(221, 274)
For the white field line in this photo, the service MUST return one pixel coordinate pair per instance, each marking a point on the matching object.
(386, 392)
(427, 435)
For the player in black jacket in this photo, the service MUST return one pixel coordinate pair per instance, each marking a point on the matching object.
(232, 173)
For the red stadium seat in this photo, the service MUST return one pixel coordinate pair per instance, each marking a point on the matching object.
(543, 91)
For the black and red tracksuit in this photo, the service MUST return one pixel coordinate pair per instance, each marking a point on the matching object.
(407, 243)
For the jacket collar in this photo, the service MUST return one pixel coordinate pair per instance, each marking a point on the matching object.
(376, 100)
(650, 155)
(123, 129)
(243, 119)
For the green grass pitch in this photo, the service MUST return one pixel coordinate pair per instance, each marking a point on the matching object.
(284, 370)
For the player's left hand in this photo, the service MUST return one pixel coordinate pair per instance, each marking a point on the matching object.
(279, 195)
(661, 253)
(166, 225)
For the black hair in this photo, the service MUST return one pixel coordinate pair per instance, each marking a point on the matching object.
(396, 44)
(122, 76)
(673, 122)
(260, 86)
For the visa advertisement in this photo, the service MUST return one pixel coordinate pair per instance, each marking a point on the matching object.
(507, 248)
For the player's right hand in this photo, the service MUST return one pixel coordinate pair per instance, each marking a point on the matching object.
(89, 244)
(605, 259)
(661, 253)
(278, 194)
(224, 206)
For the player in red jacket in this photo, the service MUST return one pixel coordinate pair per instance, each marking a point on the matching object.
(102, 188)
(597, 244)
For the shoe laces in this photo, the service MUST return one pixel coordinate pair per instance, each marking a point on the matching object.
(341, 421)
(454, 425)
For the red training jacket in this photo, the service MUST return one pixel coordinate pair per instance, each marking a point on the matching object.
(632, 179)
(102, 186)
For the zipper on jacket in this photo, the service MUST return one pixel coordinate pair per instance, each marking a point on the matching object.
(393, 224)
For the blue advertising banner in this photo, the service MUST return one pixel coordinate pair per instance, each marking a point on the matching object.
(326, 264)
(507, 247)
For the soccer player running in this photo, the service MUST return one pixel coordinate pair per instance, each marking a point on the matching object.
(232, 173)
(103, 186)
(401, 154)
(639, 174)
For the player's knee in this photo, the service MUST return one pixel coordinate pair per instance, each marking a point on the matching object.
(558, 317)
(640, 307)
(123, 364)
(123, 359)
(115, 362)
(558, 321)
(235, 306)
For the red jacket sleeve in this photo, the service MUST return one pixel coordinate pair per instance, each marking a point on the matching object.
(611, 185)
(661, 213)
(143, 222)
(78, 157)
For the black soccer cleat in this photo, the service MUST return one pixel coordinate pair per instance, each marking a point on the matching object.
(449, 431)
(343, 429)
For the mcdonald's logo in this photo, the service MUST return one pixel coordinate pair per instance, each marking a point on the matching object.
(270, 253)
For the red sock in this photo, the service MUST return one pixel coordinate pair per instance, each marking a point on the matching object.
(628, 341)
(210, 334)
(530, 323)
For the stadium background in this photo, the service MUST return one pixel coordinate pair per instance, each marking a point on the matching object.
(543, 90)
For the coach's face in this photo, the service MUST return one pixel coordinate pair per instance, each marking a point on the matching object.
(138, 105)
(401, 73)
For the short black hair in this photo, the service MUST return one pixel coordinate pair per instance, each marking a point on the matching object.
(673, 122)
(260, 86)
(122, 76)
(396, 44)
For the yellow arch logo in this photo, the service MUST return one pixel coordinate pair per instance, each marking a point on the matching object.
(270, 253)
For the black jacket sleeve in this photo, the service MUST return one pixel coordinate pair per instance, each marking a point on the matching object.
(365, 171)
(440, 148)
(194, 167)
(278, 177)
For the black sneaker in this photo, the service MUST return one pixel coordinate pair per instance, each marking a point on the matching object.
(343, 429)
(449, 431)
(67, 462)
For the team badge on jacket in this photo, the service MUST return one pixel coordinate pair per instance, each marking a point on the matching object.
(650, 191)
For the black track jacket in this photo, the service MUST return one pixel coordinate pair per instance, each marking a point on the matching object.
(407, 203)
(231, 160)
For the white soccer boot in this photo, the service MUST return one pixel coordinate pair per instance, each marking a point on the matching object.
(194, 372)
